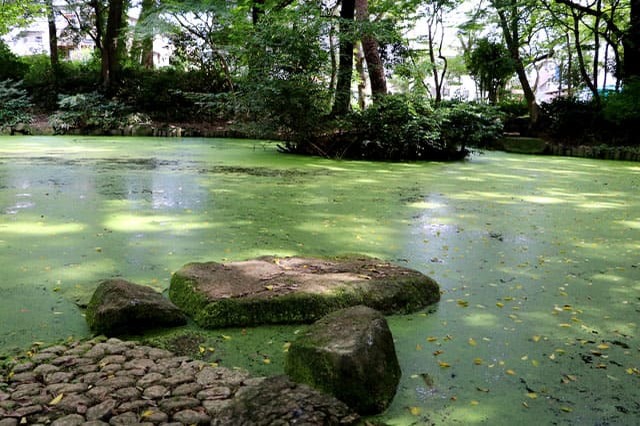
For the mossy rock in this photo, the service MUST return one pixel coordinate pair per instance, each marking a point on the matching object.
(349, 354)
(271, 290)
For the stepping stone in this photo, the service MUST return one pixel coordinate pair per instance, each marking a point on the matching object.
(271, 290)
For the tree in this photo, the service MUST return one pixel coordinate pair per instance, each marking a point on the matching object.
(342, 99)
(491, 66)
(516, 19)
(629, 36)
(17, 13)
(370, 48)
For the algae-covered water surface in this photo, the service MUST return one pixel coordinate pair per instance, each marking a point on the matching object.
(536, 257)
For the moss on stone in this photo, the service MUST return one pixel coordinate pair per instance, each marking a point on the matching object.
(390, 289)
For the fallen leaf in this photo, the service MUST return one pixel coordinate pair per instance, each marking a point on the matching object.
(472, 342)
(566, 409)
(603, 346)
(443, 364)
(478, 361)
(532, 395)
(225, 337)
(486, 390)
(431, 339)
(56, 400)
(415, 411)
(474, 402)
(510, 372)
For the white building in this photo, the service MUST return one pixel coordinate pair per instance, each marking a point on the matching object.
(34, 39)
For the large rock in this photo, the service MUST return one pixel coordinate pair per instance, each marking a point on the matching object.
(120, 307)
(279, 401)
(349, 354)
(292, 290)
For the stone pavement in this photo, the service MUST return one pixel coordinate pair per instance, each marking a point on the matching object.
(114, 382)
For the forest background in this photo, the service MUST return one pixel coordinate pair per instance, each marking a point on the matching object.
(346, 78)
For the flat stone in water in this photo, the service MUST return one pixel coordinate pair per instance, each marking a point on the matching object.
(271, 290)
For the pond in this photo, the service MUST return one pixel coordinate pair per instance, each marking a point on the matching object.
(536, 257)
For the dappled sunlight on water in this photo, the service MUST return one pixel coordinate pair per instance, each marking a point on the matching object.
(536, 257)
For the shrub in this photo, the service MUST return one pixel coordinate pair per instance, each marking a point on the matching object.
(622, 111)
(471, 124)
(573, 121)
(11, 67)
(92, 112)
(71, 77)
(14, 105)
(399, 127)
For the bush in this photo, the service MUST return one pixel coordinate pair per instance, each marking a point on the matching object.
(471, 124)
(91, 112)
(399, 127)
(622, 111)
(71, 77)
(14, 105)
(11, 67)
(573, 121)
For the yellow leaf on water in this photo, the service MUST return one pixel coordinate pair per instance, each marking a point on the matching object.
(202, 349)
(535, 362)
(510, 372)
(565, 325)
(532, 395)
(443, 364)
(524, 358)
(431, 339)
(286, 346)
(225, 337)
(566, 409)
(525, 405)
(266, 361)
(415, 411)
(472, 342)
(499, 304)
(418, 347)
(56, 400)
(629, 370)
(486, 390)
(478, 361)
(462, 303)
(603, 346)
(210, 349)
(474, 402)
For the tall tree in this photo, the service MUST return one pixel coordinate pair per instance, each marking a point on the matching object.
(370, 48)
(53, 36)
(16, 13)
(514, 18)
(342, 99)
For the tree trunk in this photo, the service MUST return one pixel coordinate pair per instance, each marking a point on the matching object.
(632, 44)
(53, 37)
(372, 55)
(512, 37)
(582, 67)
(362, 80)
(110, 59)
(147, 41)
(342, 100)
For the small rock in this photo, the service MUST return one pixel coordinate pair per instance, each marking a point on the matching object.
(191, 417)
(149, 379)
(58, 377)
(101, 410)
(178, 403)
(124, 419)
(186, 389)
(70, 420)
(8, 422)
(155, 392)
(218, 392)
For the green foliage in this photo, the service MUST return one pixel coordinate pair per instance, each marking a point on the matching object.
(571, 120)
(11, 67)
(71, 77)
(491, 66)
(91, 112)
(166, 93)
(284, 92)
(471, 124)
(399, 127)
(623, 108)
(14, 105)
